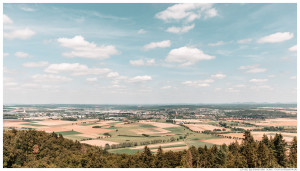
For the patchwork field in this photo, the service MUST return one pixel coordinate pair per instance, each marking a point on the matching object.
(278, 122)
(153, 134)
(202, 127)
(257, 135)
(220, 141)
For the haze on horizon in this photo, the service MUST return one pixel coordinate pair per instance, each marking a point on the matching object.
(149, 53)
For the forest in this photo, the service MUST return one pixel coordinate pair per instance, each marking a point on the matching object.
(37, 149)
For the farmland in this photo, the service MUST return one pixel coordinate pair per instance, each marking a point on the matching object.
(128, 131)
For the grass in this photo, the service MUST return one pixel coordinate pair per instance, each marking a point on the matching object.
(88, 124)
(75, 137)
(124, 150)
(33, 124)
(169, 146)
(64, 133)
(147, 126)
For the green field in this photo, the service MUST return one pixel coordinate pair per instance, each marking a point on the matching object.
(124, 150)
(88, 124)
(125, 134)
(33, 124)
(68, 133)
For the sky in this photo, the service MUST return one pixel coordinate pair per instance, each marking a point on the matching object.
(149, 53)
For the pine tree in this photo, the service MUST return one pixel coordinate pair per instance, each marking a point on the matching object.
(280, 149)
(249, 149)
(293, 153)
(187, 160)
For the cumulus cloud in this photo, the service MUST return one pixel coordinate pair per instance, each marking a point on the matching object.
(27, 9)
(253, 68)
(142, 31)
(293, 48)
(243, 41)
(258, 80)
(212, 12)
(5, 54)
(22, 55)
(187, 12)
(259, 87)
(276, 37)
(140, 79)
(218, 76)
(22, 34)
(35, 64)
(179, 30)
(93, 79)
(219, 43)
(198, 83)
(166, 87)
(50, 78)
(75, 69)
(293, 77)
(162, 44)
(7, 20)
(187, 56)
(142, 62)
(84, 49)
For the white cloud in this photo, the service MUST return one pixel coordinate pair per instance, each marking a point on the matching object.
(199, 83)
(219, 43)
(75, 69)
(257, 70)
(243, 41)
(27, 9)
(35, 64)
(50, 78)
(187, 12)
(187, 56)
(258, 80)
(113, 75)
(276, 37)
(22, 55)
(293, 48)
(259, 87)
(84, 49)
(218, 76)
(19, 34)
(162, 44)
(93, 79)
(5, 54)
(253, 68)
(249, 66)
(142, 31)
(183, 29)
(211, 13)
(141, 62)
(240, 86)
(7, 20)
(293, 77)
(140, 79)
(166, 87)
(233, 90)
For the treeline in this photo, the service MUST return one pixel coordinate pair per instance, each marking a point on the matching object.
(37, 149)
(257, 114)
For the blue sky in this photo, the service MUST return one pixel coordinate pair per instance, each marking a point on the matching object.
(149, 53)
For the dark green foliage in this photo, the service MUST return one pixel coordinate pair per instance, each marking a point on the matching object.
(37, 149)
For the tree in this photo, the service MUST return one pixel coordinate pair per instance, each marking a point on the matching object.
(293, 153)
(280, 149)
(187, 160)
